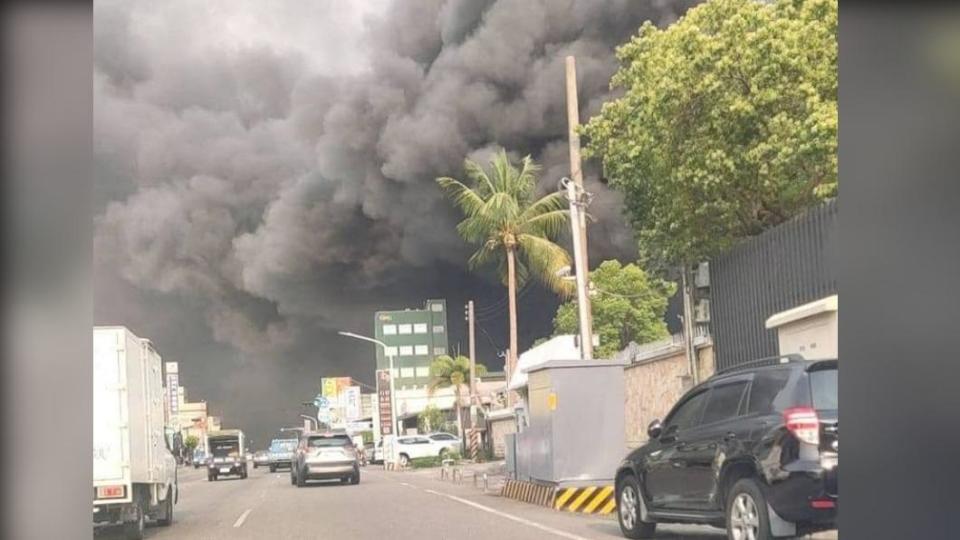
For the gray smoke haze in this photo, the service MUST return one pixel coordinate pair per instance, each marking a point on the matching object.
(266, 169)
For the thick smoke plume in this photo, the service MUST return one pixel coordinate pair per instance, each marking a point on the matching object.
(271, 165)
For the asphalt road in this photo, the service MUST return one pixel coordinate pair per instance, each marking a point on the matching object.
(396, 505)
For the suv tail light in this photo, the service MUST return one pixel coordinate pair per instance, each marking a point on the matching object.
(803, 423)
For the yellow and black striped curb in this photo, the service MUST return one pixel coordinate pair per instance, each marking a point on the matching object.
(586, 500)
(528, 492)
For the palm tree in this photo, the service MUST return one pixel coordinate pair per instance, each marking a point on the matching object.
(446, 371)
(512, 230)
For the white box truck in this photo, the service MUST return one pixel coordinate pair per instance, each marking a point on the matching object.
(228, 454)
(134, 471)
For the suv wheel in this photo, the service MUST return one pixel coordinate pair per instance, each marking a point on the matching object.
(628, 510)
(747, 517)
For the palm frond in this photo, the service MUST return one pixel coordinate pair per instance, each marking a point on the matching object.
(548, 224)
(500, 209)
(479, 176)
(544, 259)
(469, 201)
(487, 253)
(546, 204)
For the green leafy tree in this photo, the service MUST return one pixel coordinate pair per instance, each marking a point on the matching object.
(629, 305)
(191, 442)
(512, 230)
(447, 371)
(430, 419)
(727, 124)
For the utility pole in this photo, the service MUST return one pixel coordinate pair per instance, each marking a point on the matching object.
(578, 218)
(473, 365)
(688, 323)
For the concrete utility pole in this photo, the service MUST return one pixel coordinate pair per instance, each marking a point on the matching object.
(688, 323)
(578, 219)
(473, 365)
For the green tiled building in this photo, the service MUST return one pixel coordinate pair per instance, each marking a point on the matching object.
(415, 337)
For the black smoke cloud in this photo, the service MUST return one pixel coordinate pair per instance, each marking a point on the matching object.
(267, 169)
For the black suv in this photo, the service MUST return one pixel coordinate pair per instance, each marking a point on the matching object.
(753, 449)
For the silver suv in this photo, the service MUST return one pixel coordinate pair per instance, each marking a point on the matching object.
(325, 456)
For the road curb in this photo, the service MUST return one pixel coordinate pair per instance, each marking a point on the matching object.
(593, 500)
(528, 492)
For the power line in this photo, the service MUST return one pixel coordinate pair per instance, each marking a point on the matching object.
(495, 312)
(490, 339)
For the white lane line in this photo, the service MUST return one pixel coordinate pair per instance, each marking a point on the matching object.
(242, 518)
(527, 522)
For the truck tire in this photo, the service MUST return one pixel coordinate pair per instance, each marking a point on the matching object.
(133, 530)
(165, 518)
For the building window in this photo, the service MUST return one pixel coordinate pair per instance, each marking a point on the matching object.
(406, 373)
(405, 328)
(422, 350)
(438, 329)
(439, 351)
(420, 328)
(436, 307)
(406, 350)
(390, 351)
(389, 329)
(423, 371)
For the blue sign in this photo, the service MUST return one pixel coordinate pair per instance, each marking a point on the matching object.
(321, 402)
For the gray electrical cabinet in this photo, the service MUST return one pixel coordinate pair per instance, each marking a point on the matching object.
(576, 434)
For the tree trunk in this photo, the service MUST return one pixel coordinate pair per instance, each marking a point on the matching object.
(512, 294)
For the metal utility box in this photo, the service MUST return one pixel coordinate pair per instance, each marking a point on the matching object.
(576, 434)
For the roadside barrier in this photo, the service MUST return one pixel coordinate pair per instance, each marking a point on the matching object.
(586, 500)
(528, 492)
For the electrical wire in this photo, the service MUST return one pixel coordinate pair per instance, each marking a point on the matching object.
(494, 313)
(490, 339)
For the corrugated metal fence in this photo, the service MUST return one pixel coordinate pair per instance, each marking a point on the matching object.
(784, 267)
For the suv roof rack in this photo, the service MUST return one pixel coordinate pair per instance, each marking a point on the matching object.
(768, 361)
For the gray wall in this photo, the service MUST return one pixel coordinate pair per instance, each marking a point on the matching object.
(784, 267)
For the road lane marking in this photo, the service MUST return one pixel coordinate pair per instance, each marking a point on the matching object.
(524, 521)
(242, 518)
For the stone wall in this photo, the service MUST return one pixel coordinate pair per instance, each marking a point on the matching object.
(498, 429)
(653, 385)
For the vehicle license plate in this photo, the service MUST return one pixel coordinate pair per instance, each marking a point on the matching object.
(225, 470)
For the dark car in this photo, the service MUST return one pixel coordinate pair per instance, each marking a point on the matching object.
(753, 449)
(325, 456)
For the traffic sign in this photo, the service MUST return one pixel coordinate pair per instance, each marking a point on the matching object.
(321, 402)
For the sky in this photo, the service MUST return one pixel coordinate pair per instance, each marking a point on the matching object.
(265, 174)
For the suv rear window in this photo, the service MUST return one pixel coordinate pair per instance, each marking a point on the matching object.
(327, 442)
(767, 386)
(724, 402)
(823, 389)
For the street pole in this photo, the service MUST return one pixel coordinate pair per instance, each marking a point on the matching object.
(393, 393)
(473, 366)
(578, 214)
(688, 324)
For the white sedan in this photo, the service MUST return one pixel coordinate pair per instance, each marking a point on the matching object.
(418, 446)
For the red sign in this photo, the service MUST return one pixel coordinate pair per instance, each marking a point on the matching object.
(383, 396)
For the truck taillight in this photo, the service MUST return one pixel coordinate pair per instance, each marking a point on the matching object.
(111, 492)
(804, 423)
